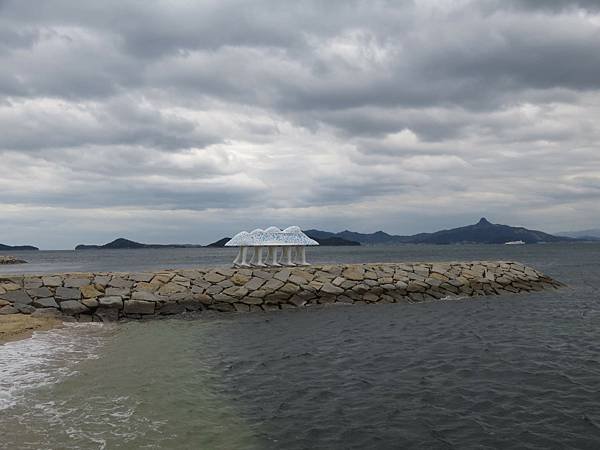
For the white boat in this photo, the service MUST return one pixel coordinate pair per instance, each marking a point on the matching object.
(514, 243)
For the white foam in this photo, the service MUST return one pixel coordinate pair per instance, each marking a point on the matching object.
(46, 358)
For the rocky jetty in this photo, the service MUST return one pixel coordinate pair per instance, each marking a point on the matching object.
(11, 260)
(114, 296)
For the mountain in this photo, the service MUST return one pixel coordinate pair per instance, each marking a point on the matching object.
(17, 247)
(586, 235)
(219, 243)
(483, 232)
(122, 243)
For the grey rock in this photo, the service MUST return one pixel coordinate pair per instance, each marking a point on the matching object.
(39, 292)
(73, 307)
(76, 282)
(52, 281)
(19, 296)
(111, 302)
(48, 302)
(63, 293)
(8, 310)
(140, 307)
(254, 283)
(144, 295)
(24, 309)
(46, 312)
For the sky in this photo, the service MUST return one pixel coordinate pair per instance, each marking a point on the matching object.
(186, 121)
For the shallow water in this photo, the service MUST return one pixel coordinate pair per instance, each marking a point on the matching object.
(518, 371)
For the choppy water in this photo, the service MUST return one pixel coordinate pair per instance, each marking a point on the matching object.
(517, 371)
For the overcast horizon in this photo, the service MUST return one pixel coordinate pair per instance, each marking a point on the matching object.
(183, 122)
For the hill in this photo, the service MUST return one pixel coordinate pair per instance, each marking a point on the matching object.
(483, 232)
(586, 235)
(17, 247)
(122, 243)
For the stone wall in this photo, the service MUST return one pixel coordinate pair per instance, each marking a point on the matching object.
(112, 296)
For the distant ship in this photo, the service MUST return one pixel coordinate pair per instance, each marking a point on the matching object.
(514, 243)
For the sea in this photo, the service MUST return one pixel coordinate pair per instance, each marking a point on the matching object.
(514, 371)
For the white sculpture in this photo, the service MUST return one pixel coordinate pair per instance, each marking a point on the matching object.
(292, 242)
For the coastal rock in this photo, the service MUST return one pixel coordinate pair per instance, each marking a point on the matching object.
(172, 308)
(63, 293)
(76, 282)
(8, 310)
(331, 289)
(90, 291)
(91, 303)
(72, 307)
(39, 292)
(24, 309)
(139, 307)
(143, 295)
(53, 281)
(17, 297)
(111, 302)
(48, 302)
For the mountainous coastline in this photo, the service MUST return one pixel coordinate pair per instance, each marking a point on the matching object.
(483, 232)
(328, 241)
(587, 235)
(122, 243)
(17, 247)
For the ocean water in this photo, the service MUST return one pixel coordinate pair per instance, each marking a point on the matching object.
(514, 371)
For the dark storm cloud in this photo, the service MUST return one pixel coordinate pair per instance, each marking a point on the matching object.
(334, 107)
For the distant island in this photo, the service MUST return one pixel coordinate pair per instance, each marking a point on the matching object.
(586, 235)
(17, 247)
(483, 232)
(122, 243)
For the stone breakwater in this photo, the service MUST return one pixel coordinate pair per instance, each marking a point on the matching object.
(11, 260)
(113, 296)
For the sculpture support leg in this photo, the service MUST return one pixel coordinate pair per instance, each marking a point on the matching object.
(272, 257)
(258, 251)
(238, 258)
(287, 256)
(243, 262)
(301, 256)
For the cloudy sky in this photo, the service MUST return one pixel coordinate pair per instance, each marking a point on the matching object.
(184, 121)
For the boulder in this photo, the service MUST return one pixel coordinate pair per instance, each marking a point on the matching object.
(40, 292)
(254, 283)
(144, 295)
(24, 309)
(172, 308)
(139, 307)
(76, 282)
(52, 281)
(111, 302)
(19, 296)
(72, 307)
(47, 302)
(8, 310)
(63, 293)
(90, 291)
(213, 277)
(354, 273)
(331, 289)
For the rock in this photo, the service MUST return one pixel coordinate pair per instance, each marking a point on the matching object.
(91, 303)
(149, 287)
(300, 281)
(214, 277)
(239, 279)
(73, 307)
(111, 302)
(32, 283)
(172, 308)
(240, 307)
(40, 292)
(215, 289)
(282, 275)
(8, 310)
(117, 292)
(191, 304)
(17, 297)
(236, 291)
(76, 282)
(354, 273)
(106, 315)
(90, 291)
(63, 293)
(119, 282)
(9, 286)
(262, 274)
(141, 307)
(52, 281)
(145, 277)
(272, 285)
(48, 302)
(4, 303)
(144, 295)
(338, 281)
(289, 288)
(331, 289)
(24, 309)
(254, 283)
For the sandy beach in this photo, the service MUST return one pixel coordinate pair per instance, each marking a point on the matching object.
(21, 326)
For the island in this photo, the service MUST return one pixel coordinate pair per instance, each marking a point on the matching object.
(17, 247)
(122, 243)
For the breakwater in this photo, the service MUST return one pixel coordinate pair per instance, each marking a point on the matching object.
(114, 296)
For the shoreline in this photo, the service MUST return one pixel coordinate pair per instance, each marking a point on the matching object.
(16, 327)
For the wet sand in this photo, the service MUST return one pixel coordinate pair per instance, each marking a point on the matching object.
(21, 326)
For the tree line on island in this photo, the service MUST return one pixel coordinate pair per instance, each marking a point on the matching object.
(483, 232)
